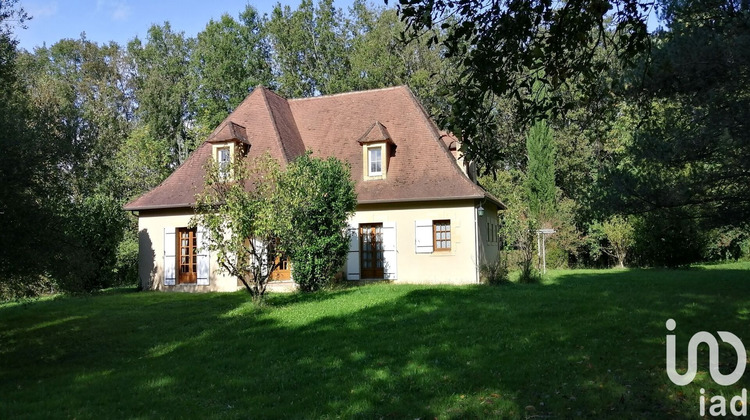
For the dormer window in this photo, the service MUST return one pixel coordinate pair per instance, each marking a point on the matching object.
(229, 138)
(223, 158)
(375, 160)
(377, 149)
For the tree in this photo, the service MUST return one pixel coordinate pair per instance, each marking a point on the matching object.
(161, 86)
(309, 49)
(615, 237)
(506, 47)
(540, 173)
(241, 215)
(318, 198)
(230, 58)
(690, 149)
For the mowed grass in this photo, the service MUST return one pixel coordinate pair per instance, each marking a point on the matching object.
(584, 344)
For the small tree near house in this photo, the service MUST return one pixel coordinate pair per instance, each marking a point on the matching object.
(240, 210)
(253, 211)
(318, 198)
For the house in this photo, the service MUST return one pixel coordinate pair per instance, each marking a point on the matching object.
(420, 218)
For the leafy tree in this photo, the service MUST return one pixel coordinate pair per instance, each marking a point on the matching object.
(242, 217)
(614, 237)
(161, 86)
(309, 48)
(318, 198)
(506, 47)
(230, 58)
(540, 173)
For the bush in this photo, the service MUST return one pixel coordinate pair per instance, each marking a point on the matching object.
(727, 243)
(667, 238)
(126, 266)
(319, 198)
(495, 273)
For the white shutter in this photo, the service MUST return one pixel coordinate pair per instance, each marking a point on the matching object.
(390, 253)
(170, 243)
(260, 250)
(352, 259)
(203, 260)
(423, 236)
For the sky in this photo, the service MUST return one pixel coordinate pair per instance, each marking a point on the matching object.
(123, 20)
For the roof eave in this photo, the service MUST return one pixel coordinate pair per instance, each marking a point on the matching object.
(129, 207)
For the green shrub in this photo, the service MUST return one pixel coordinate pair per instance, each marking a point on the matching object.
(495, 273)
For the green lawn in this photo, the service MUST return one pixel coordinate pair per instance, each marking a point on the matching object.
(585, 344)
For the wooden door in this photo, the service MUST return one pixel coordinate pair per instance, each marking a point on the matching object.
(371, 251)
(187, 256)
(283, 271)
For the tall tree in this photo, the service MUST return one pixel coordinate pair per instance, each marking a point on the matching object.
(309, 48)
(692, 151)
(230, 58)
(540, 172)
(506, 47)
(162, 88)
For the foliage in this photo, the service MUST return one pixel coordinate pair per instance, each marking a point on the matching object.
(126, 264)
(241, 215)
(691, 146)
(318, 199)
(309, 47)
(161, 85)
(94, 228)
(506, 48)
(727, 243)
(229, 59)
(667, 238)
(540, 173)
(614, 237)
(495, 273)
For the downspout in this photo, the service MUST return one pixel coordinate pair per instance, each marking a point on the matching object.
(476, 243)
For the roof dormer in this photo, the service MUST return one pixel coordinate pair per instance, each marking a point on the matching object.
(227, 140)
(377, 146)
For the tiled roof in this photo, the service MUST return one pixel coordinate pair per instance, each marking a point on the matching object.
(228, 130)
(421, 167)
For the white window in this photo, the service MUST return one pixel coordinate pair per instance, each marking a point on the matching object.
(222, 156)
(375, 159)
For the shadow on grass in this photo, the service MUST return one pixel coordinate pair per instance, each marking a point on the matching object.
(585, 346)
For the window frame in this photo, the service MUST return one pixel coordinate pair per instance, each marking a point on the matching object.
(224, 166)
(435, 233)
(370, 161)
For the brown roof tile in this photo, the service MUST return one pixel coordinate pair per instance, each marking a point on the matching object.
(420, 168)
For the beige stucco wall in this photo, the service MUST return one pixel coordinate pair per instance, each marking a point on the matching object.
(457, 266)
(151, 226)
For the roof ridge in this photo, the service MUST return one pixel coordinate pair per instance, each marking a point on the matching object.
(348, 93)
(227, 118)
(284, 150)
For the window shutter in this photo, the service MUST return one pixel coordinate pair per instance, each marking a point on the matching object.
(423, 236)
(203, 260)
(390, 252)
(170, 243)
(352, 259)
(260, 249)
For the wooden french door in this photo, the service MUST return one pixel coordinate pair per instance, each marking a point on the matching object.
(187, 256)
(371, 251)
(283, 271)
